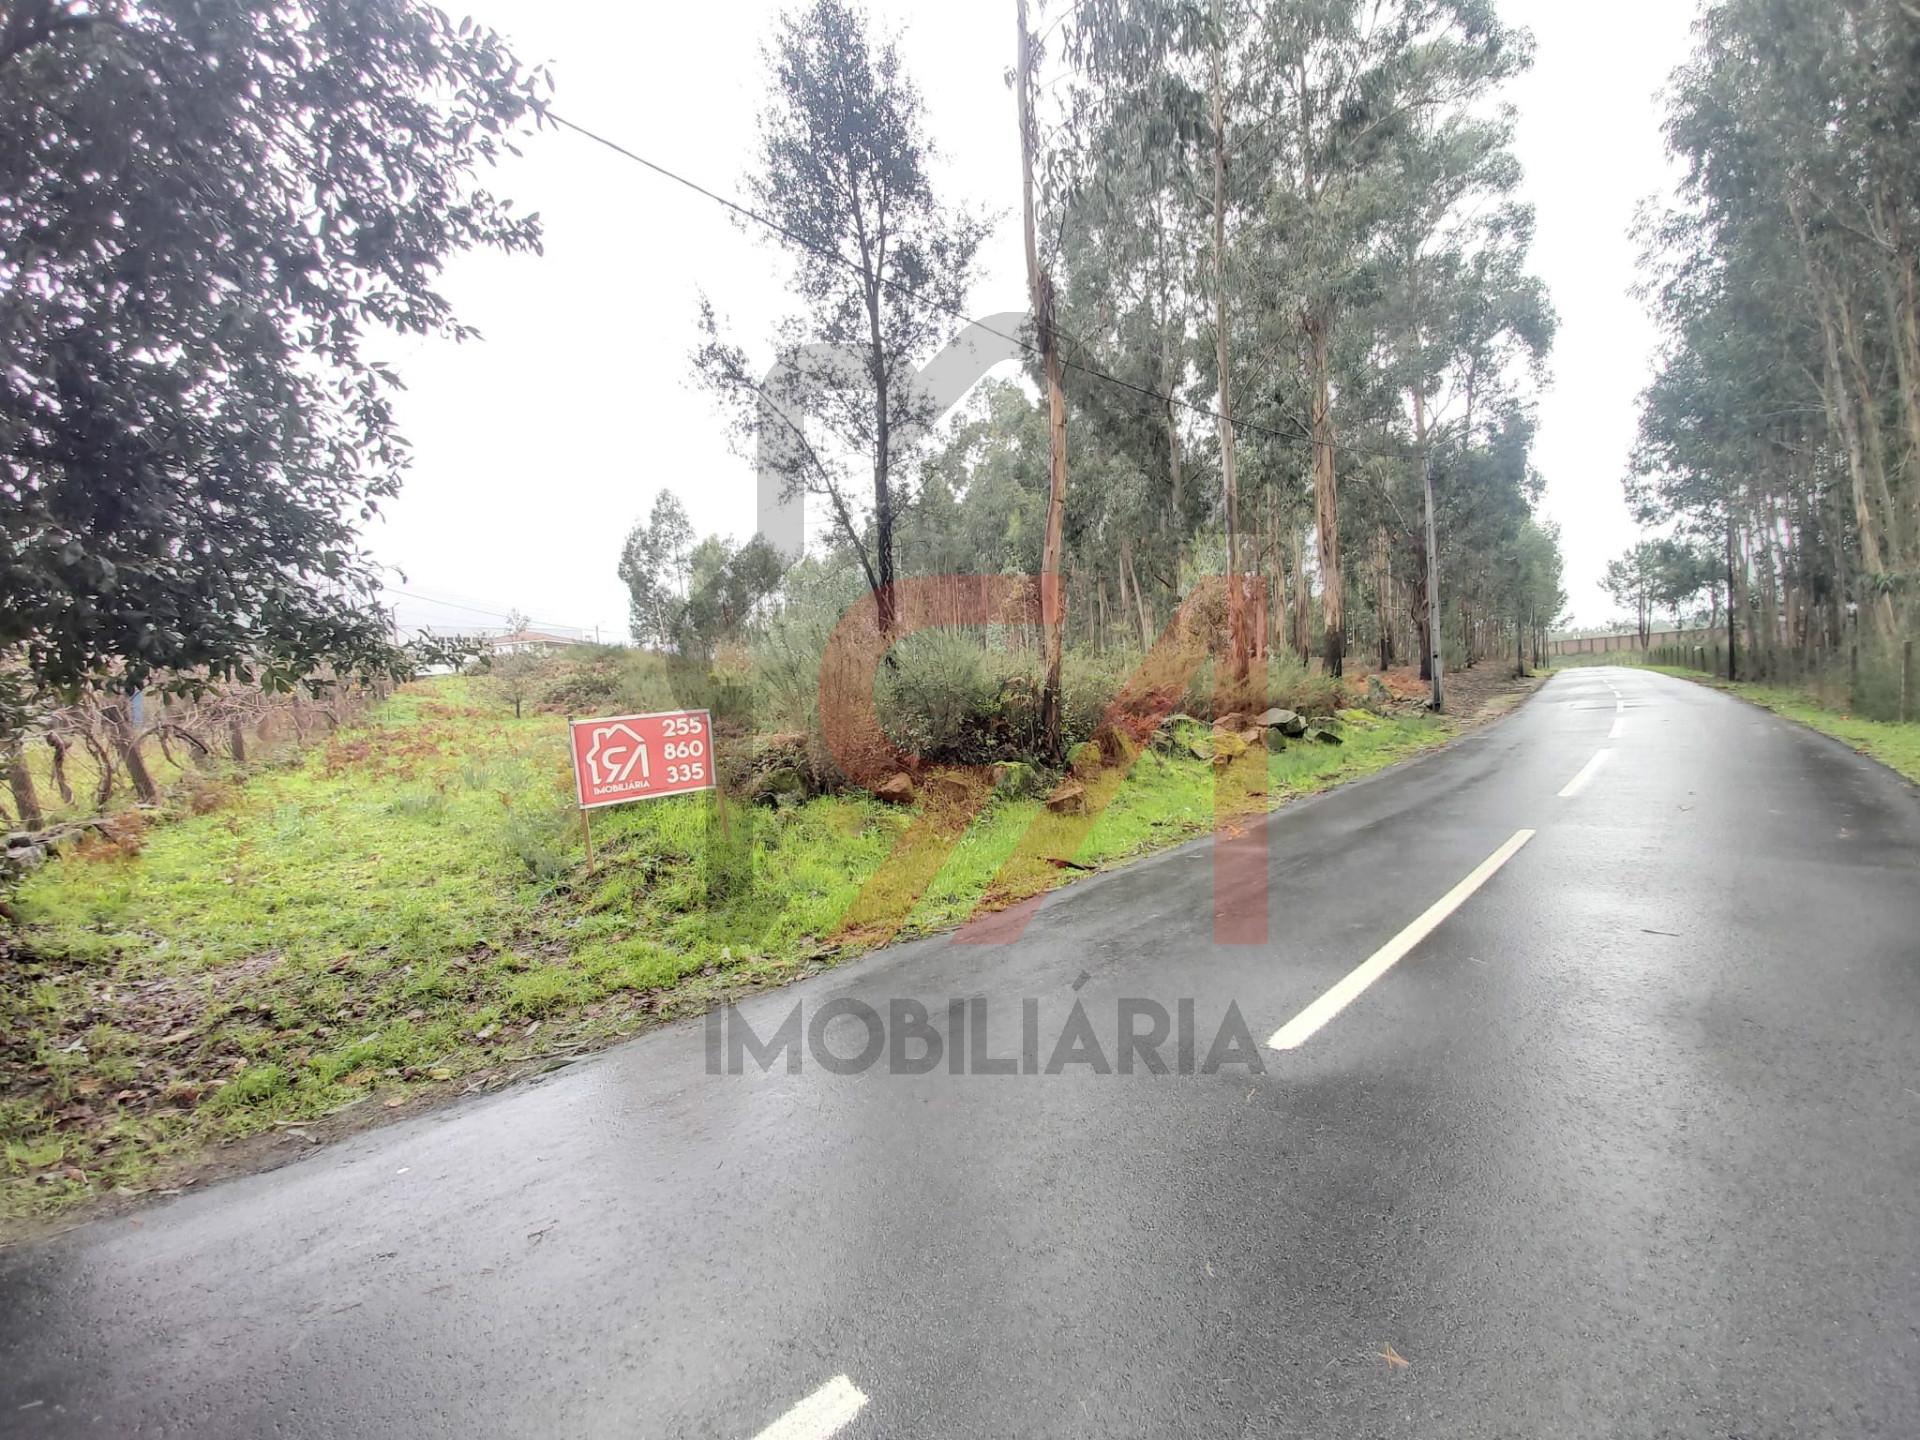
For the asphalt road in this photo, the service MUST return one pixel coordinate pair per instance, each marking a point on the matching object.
(1627, 1145)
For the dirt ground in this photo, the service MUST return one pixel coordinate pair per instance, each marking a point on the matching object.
(1484, 692)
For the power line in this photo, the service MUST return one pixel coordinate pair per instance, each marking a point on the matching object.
(828, 253)
(482, 610)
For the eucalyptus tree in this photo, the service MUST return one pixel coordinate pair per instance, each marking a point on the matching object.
(654, 566)
(1539, 595)
(1040, 292)
(880, 269)
(1798, 229)
(1783, 426)
(1630, 581)
(1461, 323)
(1344, 90)
(206, 218)
(1128, 260)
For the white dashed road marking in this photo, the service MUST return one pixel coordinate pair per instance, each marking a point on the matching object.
(821, 1414)
(1297, 1031)
(1585, 777)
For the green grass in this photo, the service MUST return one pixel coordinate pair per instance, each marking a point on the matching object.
(1894, 745)
(406, 911)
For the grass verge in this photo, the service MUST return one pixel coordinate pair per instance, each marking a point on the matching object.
(405, 914)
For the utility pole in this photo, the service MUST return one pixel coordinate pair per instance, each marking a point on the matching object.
(1053, 619)
(1433, 583)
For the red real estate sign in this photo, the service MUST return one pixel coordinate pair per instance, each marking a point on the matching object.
(641, 757)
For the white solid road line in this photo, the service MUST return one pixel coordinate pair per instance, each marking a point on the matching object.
(1585, 777)
(1297, 1031)
(821, 1414)
(1619, 728)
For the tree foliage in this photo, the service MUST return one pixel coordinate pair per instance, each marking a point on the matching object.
(207, 213)
(1288, 273)
(880, 268)
(653, 567)
(1782, 432)
(693, 597)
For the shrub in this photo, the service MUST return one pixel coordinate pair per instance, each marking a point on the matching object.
(938, 695)
(537, 836)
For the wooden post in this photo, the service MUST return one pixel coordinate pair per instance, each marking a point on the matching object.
(1906, 682)
(586, 829)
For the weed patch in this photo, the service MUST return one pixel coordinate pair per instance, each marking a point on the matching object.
(406, 912)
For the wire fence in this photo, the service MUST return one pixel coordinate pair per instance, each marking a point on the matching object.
(1869, 677)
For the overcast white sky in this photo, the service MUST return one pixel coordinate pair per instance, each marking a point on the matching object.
(536, 447)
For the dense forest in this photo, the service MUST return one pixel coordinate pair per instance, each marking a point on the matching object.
(1282, 328)
(1779, 443)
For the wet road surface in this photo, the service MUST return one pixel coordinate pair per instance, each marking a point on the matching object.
(1625, 1141)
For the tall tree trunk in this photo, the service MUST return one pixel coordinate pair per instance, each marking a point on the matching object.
(1841, 415)
(1040, 290)
(1230, 497)
(1302, 599)
(1893, 524)
(1326, 495)
(26, 800)
(1170, 367)
(1907, 347)
(1278, 597)
(1383, 596)
(127, 742)
(886, 602)
(1139, 598)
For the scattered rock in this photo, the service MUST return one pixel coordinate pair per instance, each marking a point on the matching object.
(949, 789)
(772, 786)
(1325, 736)
(1276, 741)
(27, 857)
(1285, 721)
(1227, 747)
(895, 790)
(1232, 721)
(1015, 779)
(1069, 799)
(1171, 733)
(1085, 760)
(1183, 734)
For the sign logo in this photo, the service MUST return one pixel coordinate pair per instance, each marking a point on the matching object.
(618, 758)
